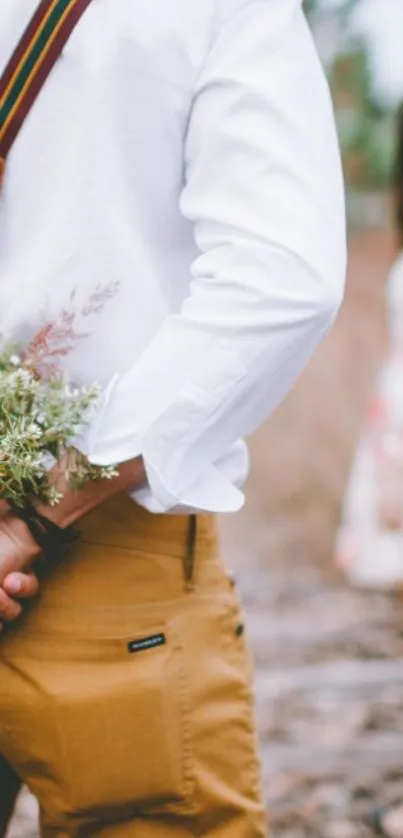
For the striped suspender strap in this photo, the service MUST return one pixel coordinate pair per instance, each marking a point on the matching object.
(31, 63)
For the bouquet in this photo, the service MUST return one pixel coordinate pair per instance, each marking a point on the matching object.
(41, 413)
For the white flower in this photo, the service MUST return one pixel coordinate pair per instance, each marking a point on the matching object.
(20, 377)
(34, 429)
(37, 415)
(93, 390)
(48, 461)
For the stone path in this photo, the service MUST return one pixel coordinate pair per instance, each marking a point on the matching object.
(330, 702)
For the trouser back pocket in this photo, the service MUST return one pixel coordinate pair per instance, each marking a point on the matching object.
(119, 710)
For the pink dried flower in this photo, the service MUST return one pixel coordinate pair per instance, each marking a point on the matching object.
(56, 340)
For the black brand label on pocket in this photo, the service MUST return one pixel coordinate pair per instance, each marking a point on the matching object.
(146, 643)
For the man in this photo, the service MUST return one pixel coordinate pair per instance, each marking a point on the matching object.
(177, 189)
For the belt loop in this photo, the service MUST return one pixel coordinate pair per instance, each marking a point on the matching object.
(190, 558)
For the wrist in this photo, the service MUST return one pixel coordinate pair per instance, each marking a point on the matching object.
(75, 503)
(49, 538)
(24, 536)
(24, 548)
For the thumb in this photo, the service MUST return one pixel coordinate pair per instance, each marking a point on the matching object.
(21, 585)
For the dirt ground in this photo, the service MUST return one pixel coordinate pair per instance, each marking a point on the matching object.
(329, 659)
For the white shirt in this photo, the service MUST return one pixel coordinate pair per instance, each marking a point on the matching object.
(182, 156)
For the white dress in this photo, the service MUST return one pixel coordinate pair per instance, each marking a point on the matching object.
(370, 541)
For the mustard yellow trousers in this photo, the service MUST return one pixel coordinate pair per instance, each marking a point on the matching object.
(125, 690)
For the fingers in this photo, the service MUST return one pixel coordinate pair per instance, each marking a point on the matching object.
(21, 585)
(9, 609)
(16, 586)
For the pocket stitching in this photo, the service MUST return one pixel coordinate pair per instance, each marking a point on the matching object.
(231, 619)
(188, 767)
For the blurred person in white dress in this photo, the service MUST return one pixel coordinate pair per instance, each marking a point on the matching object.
(370, 541)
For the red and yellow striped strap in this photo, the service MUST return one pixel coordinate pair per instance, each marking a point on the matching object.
(31, 63)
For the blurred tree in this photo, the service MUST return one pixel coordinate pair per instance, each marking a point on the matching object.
(345, 6)
(310, 6)
(365, 125)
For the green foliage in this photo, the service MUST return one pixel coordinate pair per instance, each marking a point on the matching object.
(365, 125)
(347, 6)
(39, 418)
(310, 6)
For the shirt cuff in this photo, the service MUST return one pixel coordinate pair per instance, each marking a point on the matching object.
(211, 492)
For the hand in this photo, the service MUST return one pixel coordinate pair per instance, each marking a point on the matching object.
(17, 552)
(16, 587)
(18, 548)
(77, 502)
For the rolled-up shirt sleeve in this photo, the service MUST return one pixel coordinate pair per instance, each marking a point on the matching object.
(265, 194)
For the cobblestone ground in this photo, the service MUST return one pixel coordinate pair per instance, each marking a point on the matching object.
(329, 660)
(330, 688)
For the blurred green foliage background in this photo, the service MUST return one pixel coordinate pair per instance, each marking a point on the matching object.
(365, 121)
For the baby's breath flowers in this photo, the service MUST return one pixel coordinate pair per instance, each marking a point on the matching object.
(38, 419)
(40, 413)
